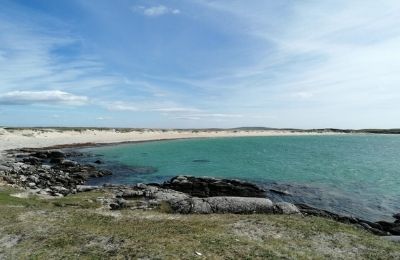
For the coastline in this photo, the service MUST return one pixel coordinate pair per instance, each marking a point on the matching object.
(54, 172)
(47, 206)
(56, 138)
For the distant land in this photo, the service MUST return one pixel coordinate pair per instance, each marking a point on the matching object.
(245, 128)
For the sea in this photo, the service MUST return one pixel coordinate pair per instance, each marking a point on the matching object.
(357, 175)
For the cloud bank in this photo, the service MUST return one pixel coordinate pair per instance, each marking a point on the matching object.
(154, 11)
(52, 97)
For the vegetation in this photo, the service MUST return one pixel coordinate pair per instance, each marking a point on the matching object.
(126, 130)
(76, 226)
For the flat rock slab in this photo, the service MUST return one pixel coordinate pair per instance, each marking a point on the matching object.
(211, 187)
(392, 238)
(240, 205)
(237, 205)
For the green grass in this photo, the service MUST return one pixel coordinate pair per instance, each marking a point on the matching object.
(75, 227)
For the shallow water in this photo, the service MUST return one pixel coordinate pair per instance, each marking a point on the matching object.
(352, 174)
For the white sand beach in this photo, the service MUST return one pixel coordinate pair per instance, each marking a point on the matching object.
(35, 138)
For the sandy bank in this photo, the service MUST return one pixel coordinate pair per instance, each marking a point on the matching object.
(35, 138)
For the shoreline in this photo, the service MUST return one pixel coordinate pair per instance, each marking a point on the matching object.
(51, 173)
(29, 162)
(56, 138)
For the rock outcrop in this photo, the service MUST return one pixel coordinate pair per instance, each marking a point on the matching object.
(51, 172)
(179, 202)
(212, 187)
(381, 228)
(46, 172)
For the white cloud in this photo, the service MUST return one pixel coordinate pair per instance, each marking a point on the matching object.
(303, 94)
(101, 118)
(177, 110)
(121, 106)
(41, 64)
(55, 97)
(208, 115)
(187, 117)
(154, 11)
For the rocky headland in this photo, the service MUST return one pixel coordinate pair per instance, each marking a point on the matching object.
(52, 172)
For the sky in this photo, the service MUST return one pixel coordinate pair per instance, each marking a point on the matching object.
(200, 63)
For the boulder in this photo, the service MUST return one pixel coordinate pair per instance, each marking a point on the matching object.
(200, 206)
(118, 204)
(236, 205)
(387, 226)
(211, 187)
(373, 230)
(68, 163)
(59, 190)
(41, 154)
(397, 216)
(240, 205)
(32, 161)
(84, 188)
(56, 154)
(4, 168)
(56, 160)
(286, 208)
(395, 230)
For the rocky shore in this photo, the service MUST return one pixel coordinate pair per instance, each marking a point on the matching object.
(50, 172)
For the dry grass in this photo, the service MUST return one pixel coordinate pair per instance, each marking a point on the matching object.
(75, 227)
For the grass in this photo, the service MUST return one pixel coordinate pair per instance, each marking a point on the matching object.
(76, 227)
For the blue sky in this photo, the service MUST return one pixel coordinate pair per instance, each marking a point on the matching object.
(200, 63)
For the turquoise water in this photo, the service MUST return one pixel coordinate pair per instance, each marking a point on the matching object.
(352, 174)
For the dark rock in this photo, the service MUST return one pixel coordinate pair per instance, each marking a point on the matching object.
(201, 161)
(41, 154)
(98, 162)
(387, 226)
(56, 154)
(68, 163)
(375, 231)
(114, 206)
(397, 216)
(395, 230)
(56, 160)
(308, 210)
(31, 160)
(280, 192)
(372, 224)
(118, 204)
(210, 187)
(8, 179)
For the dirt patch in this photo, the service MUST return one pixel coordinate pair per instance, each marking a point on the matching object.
(7, 243)
(108, 244)
(255, 230)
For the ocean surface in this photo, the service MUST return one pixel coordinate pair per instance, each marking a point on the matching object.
(349, 174)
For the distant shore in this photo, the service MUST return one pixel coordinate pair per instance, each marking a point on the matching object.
(14, 138)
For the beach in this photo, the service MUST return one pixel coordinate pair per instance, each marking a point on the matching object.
(46, 137)
(46, 204)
